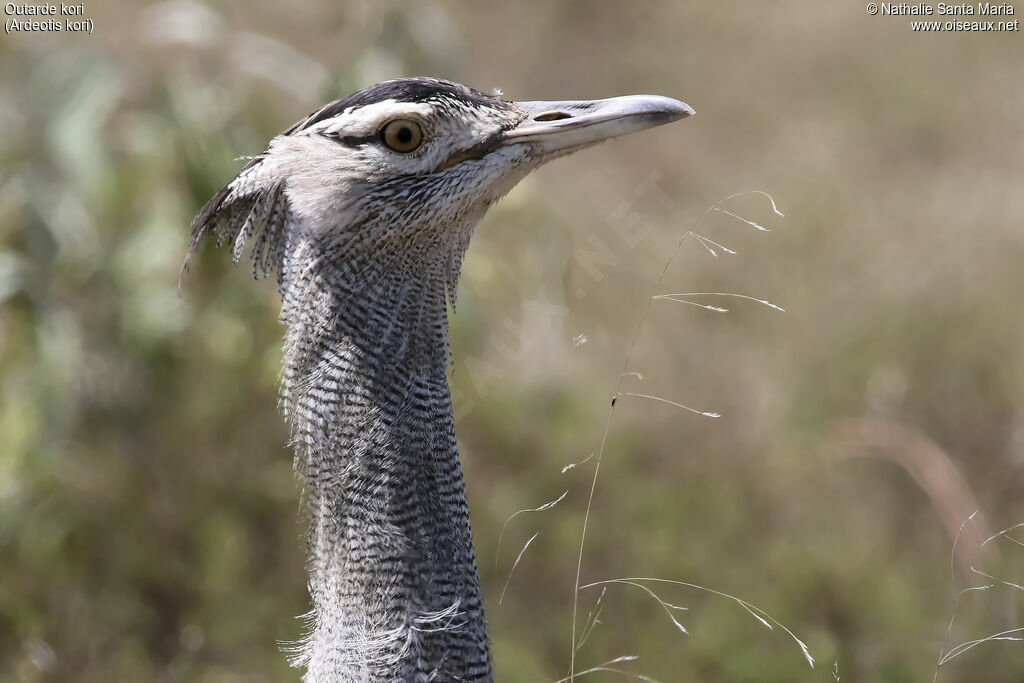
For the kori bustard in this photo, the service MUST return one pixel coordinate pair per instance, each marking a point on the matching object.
(364, 209)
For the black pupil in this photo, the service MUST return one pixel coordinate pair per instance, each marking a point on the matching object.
(404, 134)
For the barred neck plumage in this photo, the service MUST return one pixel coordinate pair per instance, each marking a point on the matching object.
(365, 208)
(392, 572)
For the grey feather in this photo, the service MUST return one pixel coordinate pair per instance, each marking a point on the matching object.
(368, 244)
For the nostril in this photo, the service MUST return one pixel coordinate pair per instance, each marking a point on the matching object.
(552, 116)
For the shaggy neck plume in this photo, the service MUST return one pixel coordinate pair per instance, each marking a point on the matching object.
(392, 572)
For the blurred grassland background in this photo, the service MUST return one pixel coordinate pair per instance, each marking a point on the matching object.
(148, 511)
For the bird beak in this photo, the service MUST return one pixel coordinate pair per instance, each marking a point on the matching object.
(560, 127)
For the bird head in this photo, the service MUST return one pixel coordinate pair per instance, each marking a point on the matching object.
(400, 172)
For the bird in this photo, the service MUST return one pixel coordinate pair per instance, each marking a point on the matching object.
(364, 210)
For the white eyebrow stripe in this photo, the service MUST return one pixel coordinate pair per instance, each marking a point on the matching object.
(366, 120)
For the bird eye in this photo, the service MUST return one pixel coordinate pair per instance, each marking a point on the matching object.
(402, 135)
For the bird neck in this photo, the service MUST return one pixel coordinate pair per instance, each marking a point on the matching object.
(392, 572)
